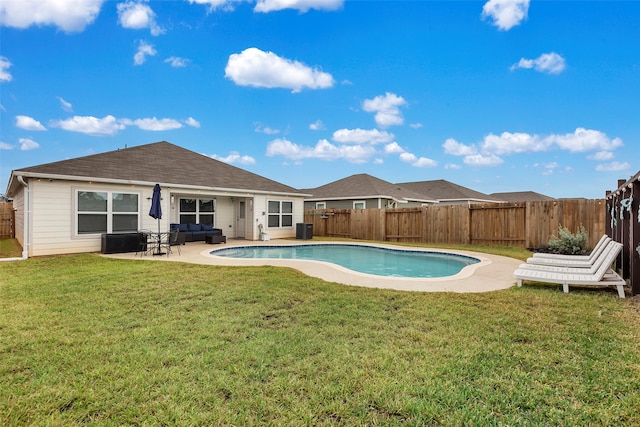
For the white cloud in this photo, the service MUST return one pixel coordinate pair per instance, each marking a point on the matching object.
(301, 5)
(177, 62)
(506, 14)
(68, 15)
(418, 162)
(453, 147)
(613, 167)
(583, 140)
(235, 157)
(550, 63)
(192, 122)
(265, 129)
(549, 168)
(362, 136)
(453, 166)
(416, 125)
(109, 125)
(5, 64)
(393, 148)
(387, 109)
(323, 150)
(5, 146)
(144, 50)
(517, 142)
(482, 160)
(424, 162)
(601, 156)
(27, 144)
(90, 125)
(227, 5)
(137, 15)
(66, 106)
(488, 151)
(317, 125)
(253, 67)
(153, 124)
(28, 123)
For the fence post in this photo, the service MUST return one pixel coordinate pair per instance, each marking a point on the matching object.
(635, 239)
(623, 226)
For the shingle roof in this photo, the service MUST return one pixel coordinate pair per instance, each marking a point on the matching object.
(521, 196)
(160, 162)
(362, 186)
(441, 189)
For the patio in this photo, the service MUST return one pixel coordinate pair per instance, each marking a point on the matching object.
(492, 273)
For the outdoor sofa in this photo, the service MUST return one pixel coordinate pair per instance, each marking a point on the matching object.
(198, 232)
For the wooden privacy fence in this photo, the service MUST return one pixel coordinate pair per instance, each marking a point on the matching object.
(7, 220)
(623, 225)
(526, 224)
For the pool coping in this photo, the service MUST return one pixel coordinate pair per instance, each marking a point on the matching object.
(493, 272)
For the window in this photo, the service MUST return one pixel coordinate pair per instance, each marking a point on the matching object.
(321, 205)
(280, 214)
(197, 211)
(359, 204)
(106, 212)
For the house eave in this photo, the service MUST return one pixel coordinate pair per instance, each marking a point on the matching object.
(186, 187)
(471, 200)
(322, 199)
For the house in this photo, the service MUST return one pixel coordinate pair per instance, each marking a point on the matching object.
(521, 196)
(362, 191)
(448, 193)
(66, 206)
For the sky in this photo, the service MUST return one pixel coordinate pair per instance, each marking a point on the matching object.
(497, 96)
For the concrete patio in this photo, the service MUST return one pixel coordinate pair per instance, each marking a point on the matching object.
(492, 273)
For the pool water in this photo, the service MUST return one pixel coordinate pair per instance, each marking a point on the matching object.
(364, 259)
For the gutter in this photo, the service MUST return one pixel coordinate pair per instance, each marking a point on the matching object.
(237, 192)
(27, 212)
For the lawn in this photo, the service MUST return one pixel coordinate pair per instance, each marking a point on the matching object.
(90, 340)
(10, 248)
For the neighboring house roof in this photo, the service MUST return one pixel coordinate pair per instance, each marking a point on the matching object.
(364, 186)
(443, 191)
(521, 196)
(159, 162)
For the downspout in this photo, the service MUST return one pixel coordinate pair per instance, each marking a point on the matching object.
(25, 227)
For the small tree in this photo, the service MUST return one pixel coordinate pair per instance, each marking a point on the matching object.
(569, 243)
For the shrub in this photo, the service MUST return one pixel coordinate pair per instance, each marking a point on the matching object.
(569, 243)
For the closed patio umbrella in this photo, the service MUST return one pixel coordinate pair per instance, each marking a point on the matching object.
(156, 210)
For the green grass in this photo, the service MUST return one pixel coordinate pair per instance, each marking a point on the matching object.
(9, 248)
(90, 340)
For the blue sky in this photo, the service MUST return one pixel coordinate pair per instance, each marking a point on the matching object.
(499, 95)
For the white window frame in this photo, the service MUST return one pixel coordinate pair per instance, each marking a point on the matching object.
(321, 205)
(280, 214)
(109, 213)
(358, 202)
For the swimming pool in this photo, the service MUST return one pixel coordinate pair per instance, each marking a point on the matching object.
(361, 258)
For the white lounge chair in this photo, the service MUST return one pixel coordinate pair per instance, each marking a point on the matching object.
(574, 267)
(540, 257)
(603, 276)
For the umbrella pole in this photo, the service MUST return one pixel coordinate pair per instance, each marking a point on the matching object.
(158, 251)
